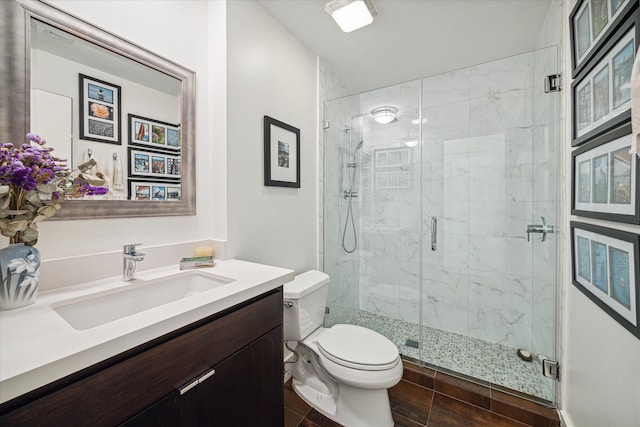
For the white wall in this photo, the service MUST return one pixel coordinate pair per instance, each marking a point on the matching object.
(600, 383)
(269, 72)
(179, 31)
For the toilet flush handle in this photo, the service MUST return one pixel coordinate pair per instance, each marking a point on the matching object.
(288, 304)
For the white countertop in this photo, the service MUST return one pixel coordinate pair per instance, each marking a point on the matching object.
(37, 346)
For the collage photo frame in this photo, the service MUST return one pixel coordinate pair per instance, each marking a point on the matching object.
(602, 94)
(156, 164)
(592, 22)
(99, 108)
(151, 133)
(606, 268)
(605, 178)
(159, 191)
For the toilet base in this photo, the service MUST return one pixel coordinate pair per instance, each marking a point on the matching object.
(352, 407)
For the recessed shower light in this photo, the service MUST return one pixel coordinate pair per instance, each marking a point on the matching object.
(351, 14)
(385, 115)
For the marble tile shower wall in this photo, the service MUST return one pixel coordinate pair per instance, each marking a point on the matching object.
(477, 180)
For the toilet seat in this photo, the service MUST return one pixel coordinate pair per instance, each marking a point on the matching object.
(356, 347)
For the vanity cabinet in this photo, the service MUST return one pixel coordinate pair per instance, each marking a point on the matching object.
(228, 366)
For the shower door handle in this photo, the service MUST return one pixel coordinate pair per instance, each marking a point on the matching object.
(543, 229)
(434, 233)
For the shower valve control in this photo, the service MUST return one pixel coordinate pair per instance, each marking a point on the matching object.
(544, 229)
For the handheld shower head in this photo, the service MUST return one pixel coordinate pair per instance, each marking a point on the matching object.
(353, 159)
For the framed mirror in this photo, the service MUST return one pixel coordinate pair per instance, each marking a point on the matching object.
(95, 96)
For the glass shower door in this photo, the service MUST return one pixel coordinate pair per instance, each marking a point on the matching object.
(489, 170)
(425, 219)
(546, 145)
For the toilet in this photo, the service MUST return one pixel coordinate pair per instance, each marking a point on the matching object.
(343, 371)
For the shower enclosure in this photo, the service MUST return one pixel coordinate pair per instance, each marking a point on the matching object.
(433, 223)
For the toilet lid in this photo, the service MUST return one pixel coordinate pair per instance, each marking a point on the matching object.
(357, 347)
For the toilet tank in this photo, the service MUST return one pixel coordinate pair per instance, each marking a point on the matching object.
(305, 298)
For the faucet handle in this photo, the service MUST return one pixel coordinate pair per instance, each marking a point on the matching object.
(130, 248)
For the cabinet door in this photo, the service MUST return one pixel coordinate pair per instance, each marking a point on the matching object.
(247, 388)
(172, 410)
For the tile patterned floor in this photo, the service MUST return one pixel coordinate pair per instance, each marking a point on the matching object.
(426, 398)
(493, 363)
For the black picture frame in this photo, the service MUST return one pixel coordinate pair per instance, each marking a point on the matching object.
(153, 164)
(616, 57)
(154, 134)
(606, 268)
(584, 50)
(157, 191)
(281, 166)
(99, 109)
(615, 195)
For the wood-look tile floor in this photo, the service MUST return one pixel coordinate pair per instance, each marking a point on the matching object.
(412, 406)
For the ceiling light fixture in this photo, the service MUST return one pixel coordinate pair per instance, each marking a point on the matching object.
(385, 115)
(351, 14)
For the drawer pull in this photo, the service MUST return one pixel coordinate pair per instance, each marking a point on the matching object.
(197, 381)
(206, 375)
(188, 387)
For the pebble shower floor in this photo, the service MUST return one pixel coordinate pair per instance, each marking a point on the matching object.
(482, 360)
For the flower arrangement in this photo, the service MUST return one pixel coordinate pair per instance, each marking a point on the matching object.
(33, 182)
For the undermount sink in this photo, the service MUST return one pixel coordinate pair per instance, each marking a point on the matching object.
(102, 307)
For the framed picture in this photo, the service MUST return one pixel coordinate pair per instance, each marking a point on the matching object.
(281, 154)
(99, 110)
(592, 23)
(155, 191)
(147, 163)
(153, 133)
(606, 268)
(601, 98)
(604, 178)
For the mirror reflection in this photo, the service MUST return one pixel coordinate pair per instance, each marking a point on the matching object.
(93, 105)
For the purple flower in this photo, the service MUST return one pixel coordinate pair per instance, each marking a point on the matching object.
(34, 138)
(36, 179)
(85, 189)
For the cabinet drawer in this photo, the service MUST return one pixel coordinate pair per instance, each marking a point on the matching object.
(114, 394)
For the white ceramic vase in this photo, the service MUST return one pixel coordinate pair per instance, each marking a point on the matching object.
(20, 274)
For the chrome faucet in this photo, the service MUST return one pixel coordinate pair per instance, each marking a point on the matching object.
(130, 258)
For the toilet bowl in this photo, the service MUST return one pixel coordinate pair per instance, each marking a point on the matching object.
(343, 371)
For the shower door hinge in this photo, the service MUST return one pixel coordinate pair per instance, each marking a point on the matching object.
(326, 125)
(551, 369)
(552, 83)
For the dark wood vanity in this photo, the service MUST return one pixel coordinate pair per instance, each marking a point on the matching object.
(224, 370)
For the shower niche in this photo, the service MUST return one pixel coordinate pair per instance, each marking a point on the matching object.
(433, 208)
